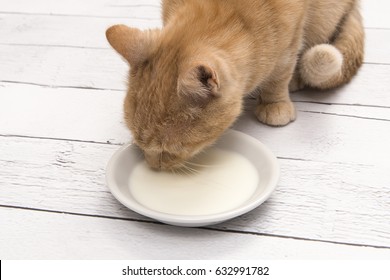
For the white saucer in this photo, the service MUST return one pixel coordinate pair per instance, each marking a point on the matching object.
(126, 158)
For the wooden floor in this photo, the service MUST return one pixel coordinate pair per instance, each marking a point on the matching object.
(61, 93)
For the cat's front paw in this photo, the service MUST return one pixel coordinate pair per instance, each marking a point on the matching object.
(276, 114)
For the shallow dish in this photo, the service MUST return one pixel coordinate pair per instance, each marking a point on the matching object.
(124, 161)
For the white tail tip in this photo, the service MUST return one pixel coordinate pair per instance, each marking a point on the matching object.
(320, 64)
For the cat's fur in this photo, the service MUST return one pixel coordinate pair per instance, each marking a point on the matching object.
(187, 80)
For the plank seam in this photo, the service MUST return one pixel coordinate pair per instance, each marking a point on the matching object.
(83, 16)
(52, 86)
(343, 115)
(376, 63)
(120, 144)
(342, 104)
(61, 139)
(109, 49)
(204, 228)
(56, 46)
(123, 90)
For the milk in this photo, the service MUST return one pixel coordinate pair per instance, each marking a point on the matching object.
(218, 181)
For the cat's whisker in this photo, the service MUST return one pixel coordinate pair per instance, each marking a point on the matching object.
(181, 170)
(184, 171)
(191, 171)
(200, 165)
(174, 172)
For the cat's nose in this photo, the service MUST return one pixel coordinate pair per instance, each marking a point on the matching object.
(153, 160)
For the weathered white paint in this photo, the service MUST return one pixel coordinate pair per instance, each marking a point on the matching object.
(328, 138)
(146, 9)
(377, 46)
(71, 32)
(56, 66)
(39, 235)
(334, 158)
(373, 10)
(375, 13)
(370, 87)
(95, 115)
(88, 115)
(103, 68)
(63, 30)
(314, 136)
(309, 202)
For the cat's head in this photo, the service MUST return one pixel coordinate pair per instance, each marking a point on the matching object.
(179, 101)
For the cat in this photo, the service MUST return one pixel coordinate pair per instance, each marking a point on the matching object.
(187, 80)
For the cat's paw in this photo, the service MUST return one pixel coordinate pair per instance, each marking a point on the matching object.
(276, 114)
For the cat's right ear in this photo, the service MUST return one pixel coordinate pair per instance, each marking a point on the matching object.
(200, 84)
(131, 43)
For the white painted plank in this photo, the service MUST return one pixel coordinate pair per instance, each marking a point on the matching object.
(66, 67)
(71, 31)
(370, 87)
(315, 199)
(72, 114)
(330, 201)
(62, 30)
(146, 9)
(322, 137)
(374, 11)
(54, 182)
(341, 196)
(373, 113)
(377, 49)
(41, 235)
(102, 68)
(67, 113)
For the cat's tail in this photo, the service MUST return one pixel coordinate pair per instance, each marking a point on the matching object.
(330, 65)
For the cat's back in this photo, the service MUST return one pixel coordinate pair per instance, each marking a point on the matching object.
(250, 10)
(252, 15)
(319, 18)
(323, 17)
(254, 11)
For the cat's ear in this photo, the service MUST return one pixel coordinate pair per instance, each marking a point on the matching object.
(131, 43)
(200, 84)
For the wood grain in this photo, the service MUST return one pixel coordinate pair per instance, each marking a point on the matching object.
(95, 115)
(146, 9)
(68, 31)
(61, 236)
(103, 69)
(63, 67)
(150, 9)
(327, 134)
(61, 94)
(69, 177)
(67, 113)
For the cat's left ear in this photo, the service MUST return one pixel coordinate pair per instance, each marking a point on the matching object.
(200, 84)
(132, 44)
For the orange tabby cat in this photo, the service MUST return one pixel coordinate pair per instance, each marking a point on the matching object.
(187, 81)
